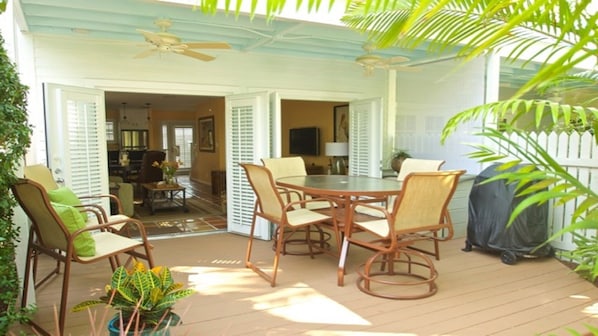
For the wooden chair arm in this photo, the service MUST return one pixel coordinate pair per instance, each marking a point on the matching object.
(303, 202)
(95, 209)
(107, 226)
(288, 192)
(113, 198)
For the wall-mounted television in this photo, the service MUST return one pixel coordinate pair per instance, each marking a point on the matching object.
(304, 141)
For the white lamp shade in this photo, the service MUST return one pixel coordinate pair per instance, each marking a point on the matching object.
(337, 148)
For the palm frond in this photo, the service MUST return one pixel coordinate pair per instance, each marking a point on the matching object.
(517, 108)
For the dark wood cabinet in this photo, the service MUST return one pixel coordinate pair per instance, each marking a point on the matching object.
(218, 182)
(315, 170)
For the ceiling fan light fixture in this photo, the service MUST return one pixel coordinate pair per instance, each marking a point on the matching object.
(371, 61)
(368, 69)
(368, 59)
(147, 110)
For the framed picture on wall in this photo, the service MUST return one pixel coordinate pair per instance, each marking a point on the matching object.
(341, 123)
(206, 134)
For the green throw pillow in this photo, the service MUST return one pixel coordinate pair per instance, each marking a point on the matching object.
(85, 246)
(66, 196)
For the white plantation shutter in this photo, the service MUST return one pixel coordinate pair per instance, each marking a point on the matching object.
(247, 141)
(76, 138)
(365, 137)
(83, 138)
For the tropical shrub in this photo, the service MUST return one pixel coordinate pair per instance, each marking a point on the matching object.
(14, 140)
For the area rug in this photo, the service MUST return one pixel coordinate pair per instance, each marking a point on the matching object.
(201, 218)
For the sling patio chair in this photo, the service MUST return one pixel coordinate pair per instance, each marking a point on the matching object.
(59, 231)
(287, 217)
(295, 166)
(64, 195)
(408, 166)
(420, 212)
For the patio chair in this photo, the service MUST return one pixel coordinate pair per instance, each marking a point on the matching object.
(291, 216)
(418, 213)
(295, 166)
(418, 165)
(59, 232)
(42, 175)
(408, 166)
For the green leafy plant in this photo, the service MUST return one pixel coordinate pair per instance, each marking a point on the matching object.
(400, 154)
(143, 297)
(15, 136)
(397, 158)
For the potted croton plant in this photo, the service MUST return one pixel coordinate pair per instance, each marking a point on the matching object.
(397, 158)
(144, 299)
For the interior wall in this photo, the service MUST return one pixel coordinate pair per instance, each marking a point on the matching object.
(295, 114)
(157, 118)
(206, 162)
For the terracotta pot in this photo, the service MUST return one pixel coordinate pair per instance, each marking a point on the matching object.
(396, 163)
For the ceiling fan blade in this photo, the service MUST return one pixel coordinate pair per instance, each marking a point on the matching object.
(146, 53)
(167, 42)
(433, 60)
(404, 68)
(197, 55)
(207, 45)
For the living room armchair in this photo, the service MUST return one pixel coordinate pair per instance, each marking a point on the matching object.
(125, 193)
(147, 172)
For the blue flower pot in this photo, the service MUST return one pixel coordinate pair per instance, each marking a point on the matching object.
(162, 330)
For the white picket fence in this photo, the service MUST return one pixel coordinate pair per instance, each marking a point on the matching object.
(578, 154)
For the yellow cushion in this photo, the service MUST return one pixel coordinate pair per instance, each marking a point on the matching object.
(42, 175)
(85, 246)
(66, 196)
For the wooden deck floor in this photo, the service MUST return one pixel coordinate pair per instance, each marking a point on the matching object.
(478, 295)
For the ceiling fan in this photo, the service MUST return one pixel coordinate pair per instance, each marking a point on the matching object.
(370, 61)
(163, 41)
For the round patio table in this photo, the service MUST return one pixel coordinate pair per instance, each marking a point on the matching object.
(342, 188)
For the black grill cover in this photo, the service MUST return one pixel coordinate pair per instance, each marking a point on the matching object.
(490, 206)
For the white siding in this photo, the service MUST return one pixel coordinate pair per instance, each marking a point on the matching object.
(426, 101)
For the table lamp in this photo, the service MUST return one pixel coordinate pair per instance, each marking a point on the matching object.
(124, 159)
(338, 151)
